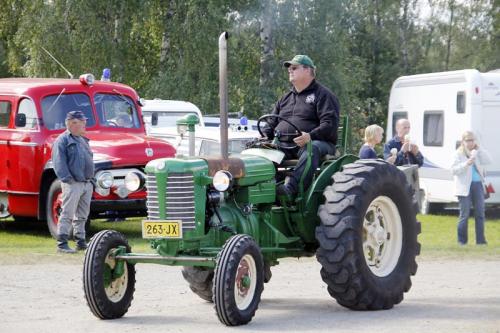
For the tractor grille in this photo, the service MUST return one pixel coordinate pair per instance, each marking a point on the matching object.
(179, 199)
(152, 197)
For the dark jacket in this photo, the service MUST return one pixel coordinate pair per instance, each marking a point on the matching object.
(402, 158)
(314, 110)
(367, 152)
(72, 158)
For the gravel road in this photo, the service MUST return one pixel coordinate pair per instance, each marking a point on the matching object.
(447, 296)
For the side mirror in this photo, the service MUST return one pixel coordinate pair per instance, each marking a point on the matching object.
(20, 120)
(154, 119)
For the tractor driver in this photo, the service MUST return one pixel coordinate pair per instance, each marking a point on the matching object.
(314, 110)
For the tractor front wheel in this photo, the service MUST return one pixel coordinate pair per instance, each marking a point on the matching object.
(108, 284)
(368, 236)
(238, 281)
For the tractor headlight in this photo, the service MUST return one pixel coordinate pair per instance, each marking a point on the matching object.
(134, 181)
(105, 180)
(222, 180)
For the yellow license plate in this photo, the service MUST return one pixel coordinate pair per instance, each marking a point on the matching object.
(162, 229)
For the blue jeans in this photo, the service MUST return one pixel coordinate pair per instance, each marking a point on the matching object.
(476, 198)
(319, 149)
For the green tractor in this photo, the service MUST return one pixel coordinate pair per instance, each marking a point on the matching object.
(220, 219)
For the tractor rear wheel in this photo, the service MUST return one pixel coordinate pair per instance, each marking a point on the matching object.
(238, 280)
(368, 236)
(200, 281)
(108, 286)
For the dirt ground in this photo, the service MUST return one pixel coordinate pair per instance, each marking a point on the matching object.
(447, 296)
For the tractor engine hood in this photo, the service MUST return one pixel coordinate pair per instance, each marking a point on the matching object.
(247, 170)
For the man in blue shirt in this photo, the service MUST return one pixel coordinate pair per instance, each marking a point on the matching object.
(74, 166)
(399, 150)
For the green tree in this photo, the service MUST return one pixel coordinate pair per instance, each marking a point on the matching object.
(168, 48)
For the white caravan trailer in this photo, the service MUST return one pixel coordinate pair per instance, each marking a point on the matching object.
(159, 114)
(440, 107)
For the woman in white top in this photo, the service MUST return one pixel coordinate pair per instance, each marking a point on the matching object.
(468, 174)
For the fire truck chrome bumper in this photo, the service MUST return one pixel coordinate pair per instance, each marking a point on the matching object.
(97, 206)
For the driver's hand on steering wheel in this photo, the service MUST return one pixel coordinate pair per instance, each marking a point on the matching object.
(303, 139)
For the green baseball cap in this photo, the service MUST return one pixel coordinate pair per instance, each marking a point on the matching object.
(300, 59)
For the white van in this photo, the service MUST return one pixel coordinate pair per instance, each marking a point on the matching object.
(159, 114)
(207, 140)
(160, 118)
(440, 107)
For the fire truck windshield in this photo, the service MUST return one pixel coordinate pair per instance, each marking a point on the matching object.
(112, 110)
(116, 111)
(55, 108)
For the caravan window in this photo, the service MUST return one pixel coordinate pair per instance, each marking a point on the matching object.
(395, 117)
(433, 128)
(461, 102)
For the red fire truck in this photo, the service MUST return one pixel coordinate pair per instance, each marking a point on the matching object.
(32, 115)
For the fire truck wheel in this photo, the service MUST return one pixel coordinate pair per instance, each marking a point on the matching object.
(238, 280)
(53, 209)
(368, 236)
(108, 284)
(200, 281)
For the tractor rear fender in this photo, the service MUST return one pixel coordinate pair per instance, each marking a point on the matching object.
(314, 196)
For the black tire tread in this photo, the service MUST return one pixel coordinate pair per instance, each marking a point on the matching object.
(343, 266)
(96, 298)
(51, 226)
(223, 286)
(200, 280)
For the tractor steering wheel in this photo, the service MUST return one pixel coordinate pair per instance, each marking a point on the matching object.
(266, 117)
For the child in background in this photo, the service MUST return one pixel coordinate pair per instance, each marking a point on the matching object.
(373, 136)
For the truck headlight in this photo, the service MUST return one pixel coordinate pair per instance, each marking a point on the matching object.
(134, 181)
(222, 180)
(105, 180)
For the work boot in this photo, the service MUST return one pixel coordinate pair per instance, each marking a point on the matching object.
(64, 248)
(81, 245)
(62, 244)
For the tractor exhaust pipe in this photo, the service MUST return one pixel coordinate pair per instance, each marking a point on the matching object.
(223, 94)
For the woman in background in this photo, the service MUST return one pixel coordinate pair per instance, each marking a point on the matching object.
(373, 136)
(468, 174)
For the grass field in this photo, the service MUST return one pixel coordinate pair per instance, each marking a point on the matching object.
(438, 238)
